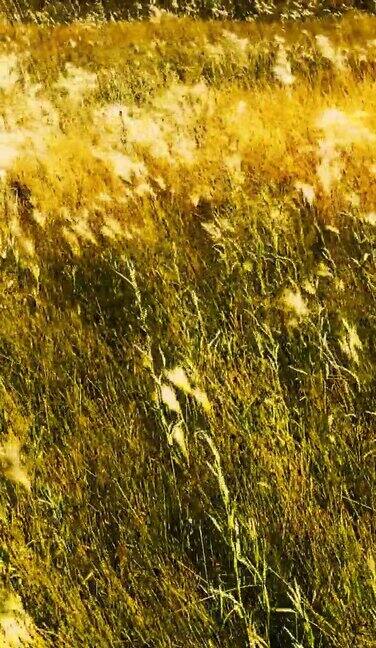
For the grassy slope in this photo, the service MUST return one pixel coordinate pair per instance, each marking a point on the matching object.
(243, 514)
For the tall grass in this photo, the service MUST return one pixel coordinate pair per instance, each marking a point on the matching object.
(187, 338)
(56, 10)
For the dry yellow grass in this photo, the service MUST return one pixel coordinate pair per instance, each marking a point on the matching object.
(187, 243)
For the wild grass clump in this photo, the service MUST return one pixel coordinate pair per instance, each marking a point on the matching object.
(187, 340)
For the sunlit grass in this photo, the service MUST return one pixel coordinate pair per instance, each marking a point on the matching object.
(187, 336)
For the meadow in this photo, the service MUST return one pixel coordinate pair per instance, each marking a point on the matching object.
(188, 333)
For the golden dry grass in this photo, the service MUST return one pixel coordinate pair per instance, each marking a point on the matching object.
(187, 245)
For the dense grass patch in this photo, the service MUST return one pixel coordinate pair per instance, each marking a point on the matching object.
(56, 10)
(187, 340)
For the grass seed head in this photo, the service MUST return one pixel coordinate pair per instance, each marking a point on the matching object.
(169, 398)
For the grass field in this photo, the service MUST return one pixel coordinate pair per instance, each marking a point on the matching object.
(188, 334)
